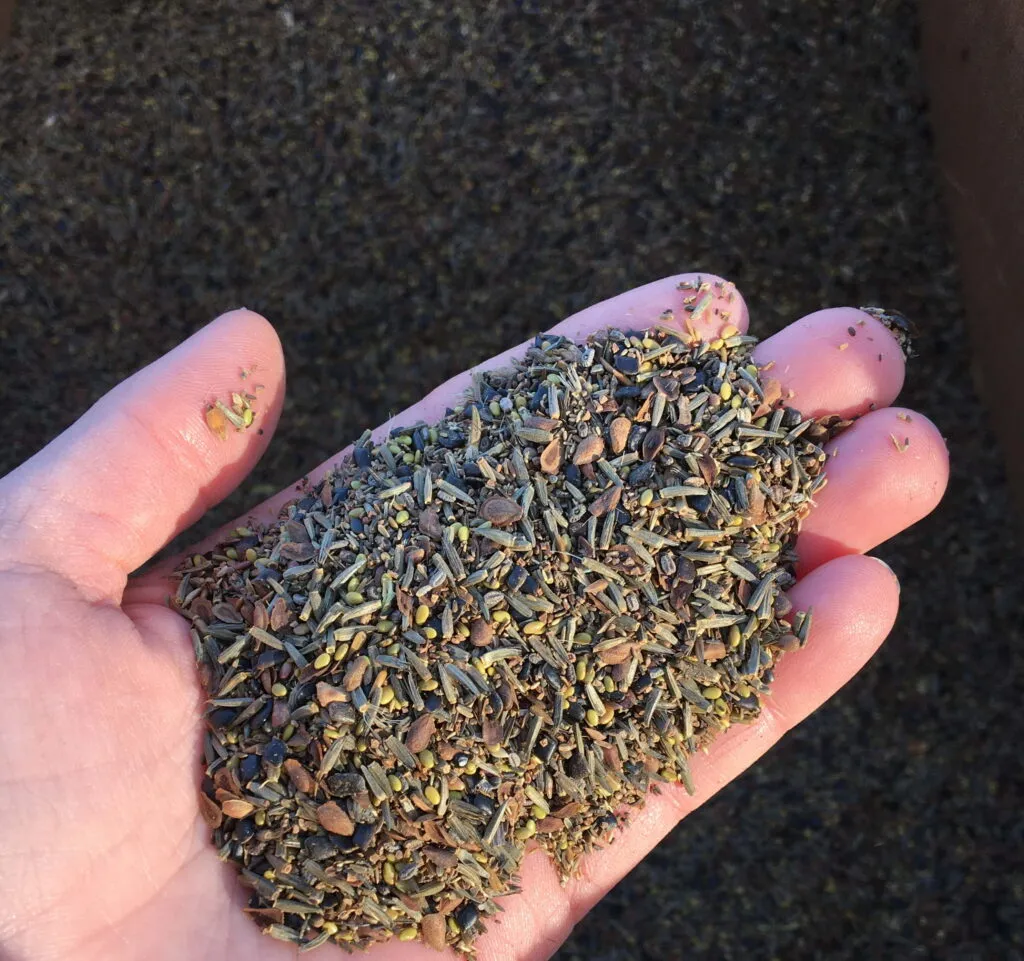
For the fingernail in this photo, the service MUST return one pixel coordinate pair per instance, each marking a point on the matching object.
(902, 330)
(892, 573)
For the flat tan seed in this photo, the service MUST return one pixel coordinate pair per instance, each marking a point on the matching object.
(237, 808)
(420, 733)
(355, 673)
(618, 433)
(434, 929)
(588, 450)
(332, 818)
(500, 511)
(328, 694)
(480, 633)
(551, 457)
(301, 779)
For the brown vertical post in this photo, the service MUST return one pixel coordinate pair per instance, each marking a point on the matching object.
(974, 62)
(6, 18)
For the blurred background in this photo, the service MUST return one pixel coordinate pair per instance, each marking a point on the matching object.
(405, 189)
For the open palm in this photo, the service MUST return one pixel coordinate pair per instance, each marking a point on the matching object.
(102, 851)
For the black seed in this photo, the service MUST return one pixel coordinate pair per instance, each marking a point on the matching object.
(576, 711)
(791, 417)
(744, 461)
(484, 803)
(642, 474)
(356, 524)
(516, 576)
(546, 751)
(244, 830)
(249, 767)
(573, 475)
(701, 503)
(320, 848)
(363, 835)
(628, 392)
(432, 703)
(362, 456)
(635, 438)
(451, 439)
(221, 717)
(467, 917)
(531, 585)
(404, 470)
(274, 753)
(627, 364)
(642, 683)
(345, 784)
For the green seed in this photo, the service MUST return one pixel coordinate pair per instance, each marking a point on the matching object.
(402, 517)
(646, 497)
(592, 717)
(712, 693)
(427, 759)
(279, 690)
(408, 934)
(533, 627)
(396, 783)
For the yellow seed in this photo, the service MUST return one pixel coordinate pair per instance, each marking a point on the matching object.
(232, 553)
(592, 717)
(430, 633)
(533, 627)
(717, 344)
(582, 638)
(231, 737)
(581, 668)
(608, 716)
(358, 641)
(646, 497)
(501, 617)
(538, 812)
(528, 830)
(725, 391)
(427, 759)
(609, 684)
(408, 934)
(354, 597)
(329, 927)
(721, 707)
(362, 743)
(389, 873)
(712, 693)
(494, 408)
(396, 783)
(463, 533)
(340, 652)
(422, 614)
(743, 689)
(729, 330)
(402, 517)
(288, 731)
(250, 554)
(428, 685)
(260, 817)
(432, 794)
(387, 695)
(322, 661)
(462, 630)
(735, 636)
(279, 690)
(668, 774)
(471, 768)
(735, 521)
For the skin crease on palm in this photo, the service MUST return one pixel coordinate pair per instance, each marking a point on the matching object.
(102, 852)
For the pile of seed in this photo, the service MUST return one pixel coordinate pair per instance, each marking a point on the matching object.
(499, 630)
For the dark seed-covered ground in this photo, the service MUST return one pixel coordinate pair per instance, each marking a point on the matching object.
(405, 189)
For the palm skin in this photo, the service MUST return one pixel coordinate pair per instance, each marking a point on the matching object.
(102, 851)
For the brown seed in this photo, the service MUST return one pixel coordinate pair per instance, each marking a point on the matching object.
(588, 450)
(550, 825)
(654, 441)
(788, 642)
(608, 501)
(616, 655)
(441, 857)
(225, 612)
(420, 733)
(493, 732)
(500, 511)
(210, 811)
(328, 694)
(708, 468)
(430, 524)
(714, 650)
(618, 432)
(480, 633)
(772, 391)
(551, 457)
(260, 616)
(434, 929)
(237, 808)
(541, 423)
(355, 673)
(279, 614)
(301, 779)
(280, 713)
(332, 818)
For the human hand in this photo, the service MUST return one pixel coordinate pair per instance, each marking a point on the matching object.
(102, 851)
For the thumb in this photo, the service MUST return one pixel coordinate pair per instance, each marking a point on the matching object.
(148, 459)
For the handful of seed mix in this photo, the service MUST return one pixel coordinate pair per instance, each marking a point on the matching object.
(498, 631)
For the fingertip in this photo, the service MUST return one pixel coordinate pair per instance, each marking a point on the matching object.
(840, 360)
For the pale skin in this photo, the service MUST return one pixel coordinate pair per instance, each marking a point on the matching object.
(102, 851)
